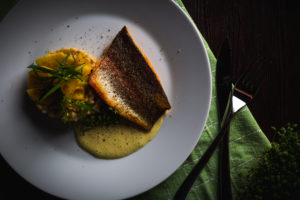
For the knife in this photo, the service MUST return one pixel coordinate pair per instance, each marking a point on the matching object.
(226, 108)
(224, 89)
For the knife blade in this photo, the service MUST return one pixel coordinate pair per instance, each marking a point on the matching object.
(223, 78)
(224, 89)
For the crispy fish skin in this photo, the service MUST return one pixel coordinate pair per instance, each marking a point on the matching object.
(125, 80)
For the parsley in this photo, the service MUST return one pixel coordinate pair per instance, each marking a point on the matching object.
(80, 105)
(277, 175)
(106, 116)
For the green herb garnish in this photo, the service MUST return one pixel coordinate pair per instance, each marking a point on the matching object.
(80, 105)
(106, 116)
(60, 74)
(74, 58)
(64, 60)
(52, 79)
(52, 90)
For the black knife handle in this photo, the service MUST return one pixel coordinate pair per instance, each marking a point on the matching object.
(186, 186)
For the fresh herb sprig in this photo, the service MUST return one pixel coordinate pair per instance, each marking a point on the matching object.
(277, 175)
(58, 76)
(52, 79)
(106, 116)
(84, 108)
(80, 105)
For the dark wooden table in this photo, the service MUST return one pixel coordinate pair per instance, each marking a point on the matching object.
(258, 28)
(255, 28)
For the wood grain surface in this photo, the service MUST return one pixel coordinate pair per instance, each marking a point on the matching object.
(258, 28)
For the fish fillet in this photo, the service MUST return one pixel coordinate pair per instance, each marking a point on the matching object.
(125, 80)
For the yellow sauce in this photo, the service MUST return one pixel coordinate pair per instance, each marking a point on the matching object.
(116, 141)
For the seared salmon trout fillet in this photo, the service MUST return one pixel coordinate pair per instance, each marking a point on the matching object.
(125, 80)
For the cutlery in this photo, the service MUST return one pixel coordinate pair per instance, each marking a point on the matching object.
(244, 91)
(224, 87)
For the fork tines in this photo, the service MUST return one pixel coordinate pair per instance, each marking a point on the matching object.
(250, 81)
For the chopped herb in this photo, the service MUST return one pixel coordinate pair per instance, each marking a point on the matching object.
(83, 106)
(52, 79)
(65, 60)
(52, 90)
(106, 116)
(59, 75)
(74, 58)
(113, 110)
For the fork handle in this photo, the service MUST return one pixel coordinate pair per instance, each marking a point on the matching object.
(186, 186)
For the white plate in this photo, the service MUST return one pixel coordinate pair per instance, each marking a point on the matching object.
(46, 154)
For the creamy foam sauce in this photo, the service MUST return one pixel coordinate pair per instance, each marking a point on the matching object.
(115, 141)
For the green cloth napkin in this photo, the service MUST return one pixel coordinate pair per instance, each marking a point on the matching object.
(247, 142)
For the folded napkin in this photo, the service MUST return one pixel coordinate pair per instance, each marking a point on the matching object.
(247, 142)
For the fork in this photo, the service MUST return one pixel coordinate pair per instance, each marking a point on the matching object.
(242, 94)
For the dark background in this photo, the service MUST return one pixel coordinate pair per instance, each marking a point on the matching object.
(258, 28)
(255, 28)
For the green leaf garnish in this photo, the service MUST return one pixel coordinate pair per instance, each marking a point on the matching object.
(65, 60)
(61, 73)
(84, 106)
(37, 68)
(52, 90)
(52, 79)
(74, 58)
(106, 116)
